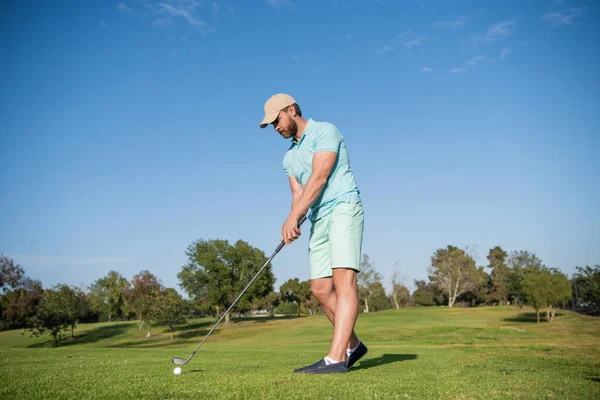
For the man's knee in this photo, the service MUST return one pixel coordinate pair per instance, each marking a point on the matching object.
(322, 288)
(344, 280)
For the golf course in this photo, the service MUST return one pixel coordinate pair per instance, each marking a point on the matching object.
(414, 353)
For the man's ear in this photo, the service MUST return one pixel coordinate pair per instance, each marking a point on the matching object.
(293, 110)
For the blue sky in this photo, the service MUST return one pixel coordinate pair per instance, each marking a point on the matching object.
(130, 129)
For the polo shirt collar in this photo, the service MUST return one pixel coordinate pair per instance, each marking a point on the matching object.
(307, 131)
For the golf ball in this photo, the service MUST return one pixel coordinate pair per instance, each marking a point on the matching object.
(177, 371)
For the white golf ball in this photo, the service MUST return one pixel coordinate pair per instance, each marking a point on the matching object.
(177, 371)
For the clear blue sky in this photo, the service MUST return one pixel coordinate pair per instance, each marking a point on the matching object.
(130, 129)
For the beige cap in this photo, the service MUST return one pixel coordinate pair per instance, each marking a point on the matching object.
(276, 103)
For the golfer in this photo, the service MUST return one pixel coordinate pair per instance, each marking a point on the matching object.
(318, 168)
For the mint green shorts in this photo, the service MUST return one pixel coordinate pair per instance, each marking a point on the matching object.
(336, 240)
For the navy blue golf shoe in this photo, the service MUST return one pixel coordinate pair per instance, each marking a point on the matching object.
(359, 353)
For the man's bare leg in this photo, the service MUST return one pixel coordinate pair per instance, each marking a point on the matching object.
(346, 312)
(324, 291)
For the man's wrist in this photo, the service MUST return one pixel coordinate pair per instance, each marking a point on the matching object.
(296, 215)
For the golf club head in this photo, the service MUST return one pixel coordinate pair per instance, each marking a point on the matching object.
(179, 361)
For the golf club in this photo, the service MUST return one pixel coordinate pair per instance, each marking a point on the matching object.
(183, 361)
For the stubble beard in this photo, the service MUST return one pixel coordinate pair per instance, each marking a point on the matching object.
(293, 129)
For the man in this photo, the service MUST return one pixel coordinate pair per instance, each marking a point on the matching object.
(320, 178)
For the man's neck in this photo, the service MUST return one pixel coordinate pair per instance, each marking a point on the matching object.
(301, 126)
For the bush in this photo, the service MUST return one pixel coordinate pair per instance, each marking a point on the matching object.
(287, 308)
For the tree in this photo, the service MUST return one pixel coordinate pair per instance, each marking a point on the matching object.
(268, 303)
(400, 293)
(19, 305)
(11, 274)
(294, 291)
(108, 295)
(170, 309)
(20, 295)
(366, 278)
(50, 316)
(454, 271)
(218, 272)
(257, 305)
(401, 296)
(72, 303)
(143, 295)
(498, 275)
(312, 304)
(480, 291)
(271, 301)
(558, 292)
(427, 294)
(378, 299)
(519, 262)
(544, 287)
(533, 289)
(587, 283)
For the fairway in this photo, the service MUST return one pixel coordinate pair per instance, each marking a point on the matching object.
(416, 353)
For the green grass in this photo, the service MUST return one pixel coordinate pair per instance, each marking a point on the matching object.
(420, 353)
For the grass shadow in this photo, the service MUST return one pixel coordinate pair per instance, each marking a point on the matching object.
(187, 334)
(195, 327)
(530, 317)
(264, 319)
(384, 359)
(95, 335)
(201, 328)
(144, 344)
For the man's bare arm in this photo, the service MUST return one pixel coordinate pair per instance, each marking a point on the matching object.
(296, 190)
(322, 165)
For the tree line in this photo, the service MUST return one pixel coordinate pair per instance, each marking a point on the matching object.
(216, 271)
(519, 278)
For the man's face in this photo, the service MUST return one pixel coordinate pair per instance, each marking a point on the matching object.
(285, 125)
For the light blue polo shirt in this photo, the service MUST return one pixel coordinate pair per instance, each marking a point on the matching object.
(297, 161)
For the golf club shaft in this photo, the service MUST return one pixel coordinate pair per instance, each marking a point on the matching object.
(300, 222)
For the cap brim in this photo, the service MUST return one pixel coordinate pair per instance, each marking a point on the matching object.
(268, 119)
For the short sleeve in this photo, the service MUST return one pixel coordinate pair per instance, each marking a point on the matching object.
(328, 139)
(286, 166)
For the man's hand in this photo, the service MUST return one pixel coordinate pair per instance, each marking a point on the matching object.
(290, 230)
